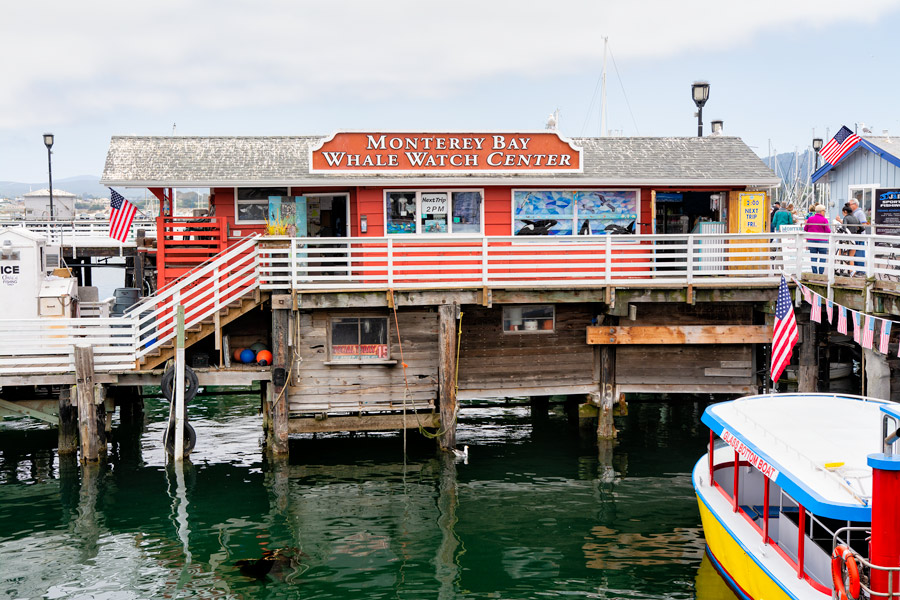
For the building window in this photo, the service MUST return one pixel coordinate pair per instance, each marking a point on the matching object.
(359, 339)
(252, 204)
(574, 212)
(433, 211)
(865, 195)
(529, 319)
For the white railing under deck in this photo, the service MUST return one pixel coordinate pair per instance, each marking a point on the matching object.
(82, 233)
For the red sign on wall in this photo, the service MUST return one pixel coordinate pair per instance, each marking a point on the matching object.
(355, 152)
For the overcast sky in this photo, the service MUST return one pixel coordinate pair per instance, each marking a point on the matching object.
(778, 70)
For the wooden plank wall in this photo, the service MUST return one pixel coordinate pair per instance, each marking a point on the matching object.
(497, 364)
(317, 387)
(688, 368)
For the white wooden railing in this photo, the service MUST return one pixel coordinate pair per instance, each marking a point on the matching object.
(47, 345)
(310, 264)
(329, 264)
(82, 232)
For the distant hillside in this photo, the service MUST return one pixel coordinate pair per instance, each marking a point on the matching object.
(86, 186)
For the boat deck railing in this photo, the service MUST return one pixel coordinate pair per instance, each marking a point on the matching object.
(82, 233)
(893, 573)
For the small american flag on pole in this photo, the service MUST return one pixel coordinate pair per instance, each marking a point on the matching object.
(857, 327)
(868, 334)
(829, 309)
(842, 142)
(121, 215)
(785, 334)
(842, 319)
(885, 337)
(816, 312)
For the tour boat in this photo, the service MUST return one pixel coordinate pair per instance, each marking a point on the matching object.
(799, 496)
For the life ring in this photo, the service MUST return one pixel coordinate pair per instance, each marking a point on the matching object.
(841, 557)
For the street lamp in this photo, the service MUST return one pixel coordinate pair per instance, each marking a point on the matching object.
(48, 141)
(817, 145)
(700, 92)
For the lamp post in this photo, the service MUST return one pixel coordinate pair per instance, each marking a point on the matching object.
(48, 141)
(817, 144)
(700, 92)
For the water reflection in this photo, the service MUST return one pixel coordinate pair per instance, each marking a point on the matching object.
(535, 512)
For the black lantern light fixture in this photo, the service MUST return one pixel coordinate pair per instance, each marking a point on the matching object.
(817, 144)
(700, 93)
(48, 141)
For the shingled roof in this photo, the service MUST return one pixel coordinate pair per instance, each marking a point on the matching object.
(139, 161)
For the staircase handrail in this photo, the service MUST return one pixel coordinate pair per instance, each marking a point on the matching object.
(193, 274)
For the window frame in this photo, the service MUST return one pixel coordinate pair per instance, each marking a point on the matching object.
(263, 201)
(330, 361)
(522, 307)
(867, 189)
(418, 192)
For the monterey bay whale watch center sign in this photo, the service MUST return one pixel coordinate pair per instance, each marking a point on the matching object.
(360, 152)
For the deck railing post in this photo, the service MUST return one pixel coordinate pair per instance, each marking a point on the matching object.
(690, 259)
(390, 262)
(800, 242)
(801, 522)
(607, 260)
(870, 259)
(766, 512)
(829, 261)
(737, 481)
(292, 264)
(484, 261)
(712, 448)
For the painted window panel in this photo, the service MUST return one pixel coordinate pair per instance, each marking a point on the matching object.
(435, 212)
(555, 212)
(253, 203)
(467, 212)
(401, 212)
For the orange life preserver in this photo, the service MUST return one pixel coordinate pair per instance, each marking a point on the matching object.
(841, 556)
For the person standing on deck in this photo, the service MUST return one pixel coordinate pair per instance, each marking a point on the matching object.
(818, 223)
(781, 217)
(852, 225)
(776, 206)
(862, 228)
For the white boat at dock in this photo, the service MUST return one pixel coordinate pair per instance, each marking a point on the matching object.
(798, 496)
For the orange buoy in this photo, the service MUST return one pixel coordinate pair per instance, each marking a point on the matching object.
(237, 354)
(841, 557)
(264, 357)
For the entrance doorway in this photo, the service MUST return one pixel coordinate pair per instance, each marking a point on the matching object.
(326, 215)
(689, 212)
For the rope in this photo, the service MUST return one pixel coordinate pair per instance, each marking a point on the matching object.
(407, 392)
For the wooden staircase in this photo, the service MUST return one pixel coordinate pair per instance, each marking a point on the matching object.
(199, 331)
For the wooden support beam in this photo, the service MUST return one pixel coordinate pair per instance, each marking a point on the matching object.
(808, 371)
(277, 441)
(68, 422)
(389, 422)
(21, 409)
(606, 429)
(91, 416)
(679, 334)
(447, 374)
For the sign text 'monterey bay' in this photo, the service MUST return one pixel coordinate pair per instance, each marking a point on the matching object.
(418, 152)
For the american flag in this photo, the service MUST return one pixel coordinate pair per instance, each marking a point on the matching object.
(868, 333)
(816, 312)
(120, 217)
(842, 319)
(857, 327)
(785, 334)
(807, 294)
(885, 336)
(842, 142)
(829, 309)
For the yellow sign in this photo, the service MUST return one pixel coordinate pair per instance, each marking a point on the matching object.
(752, 207)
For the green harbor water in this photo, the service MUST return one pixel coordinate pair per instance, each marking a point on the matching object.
(536, 513)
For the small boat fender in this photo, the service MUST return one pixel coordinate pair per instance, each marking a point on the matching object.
(842, 558)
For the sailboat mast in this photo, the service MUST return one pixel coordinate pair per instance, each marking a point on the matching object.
(603, 91)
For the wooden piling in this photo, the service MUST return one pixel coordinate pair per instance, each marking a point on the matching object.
(447, 374)
(605, 356)
(808, 371)
(277, 440)
(91, 416)
(68, 422)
